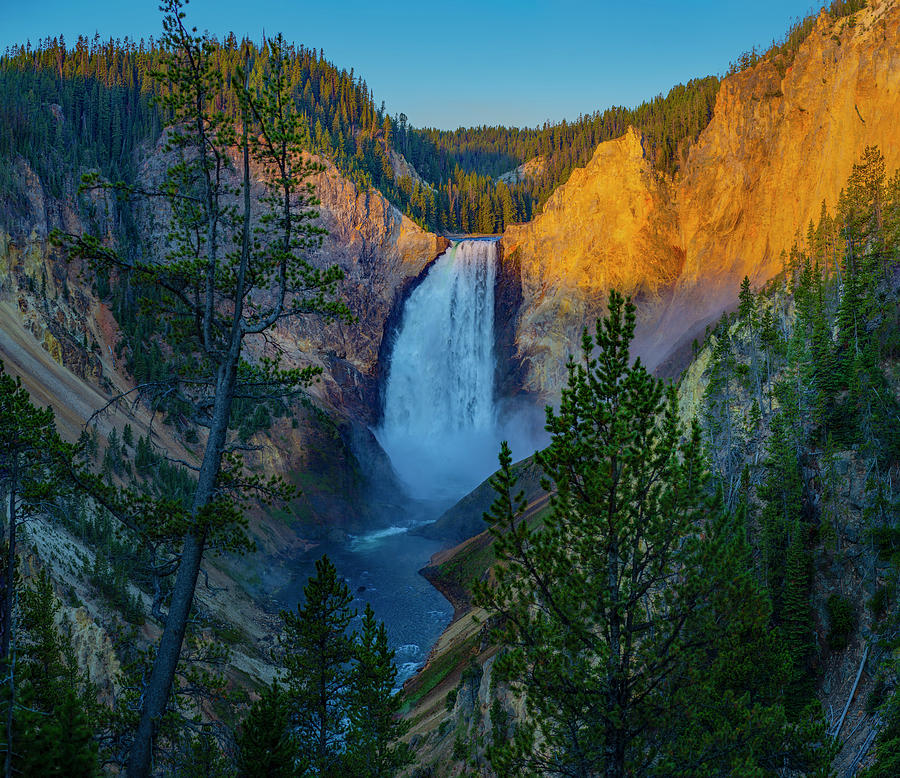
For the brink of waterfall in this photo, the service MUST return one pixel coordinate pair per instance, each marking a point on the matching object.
(440, 425)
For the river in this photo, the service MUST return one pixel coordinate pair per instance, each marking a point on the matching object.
(381, 568)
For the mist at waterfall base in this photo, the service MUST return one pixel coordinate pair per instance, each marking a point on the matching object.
(441, 430)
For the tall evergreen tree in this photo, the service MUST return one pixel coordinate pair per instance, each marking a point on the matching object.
(747, 305)
(220, 285)
(34, 462)
(266, 747)
(781, 496)
(824, 372)
(318, 652)
(53, 714)
(595, 604)
(719, 413)
(373, 704)
(796, 619)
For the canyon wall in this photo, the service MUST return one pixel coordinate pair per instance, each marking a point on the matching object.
(612, 224)
(781, 141)
(382, 253)
(60, 338)
(380, 250)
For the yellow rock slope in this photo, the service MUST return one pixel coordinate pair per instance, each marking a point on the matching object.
(782, 140)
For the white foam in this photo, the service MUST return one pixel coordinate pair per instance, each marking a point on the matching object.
(407, 670)
(440, 423)
(373, 538)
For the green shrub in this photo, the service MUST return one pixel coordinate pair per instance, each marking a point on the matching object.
(841, 621)
(499, 721)
(450, 701)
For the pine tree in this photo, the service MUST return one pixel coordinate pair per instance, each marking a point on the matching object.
(33, 460)
(849, 316)
(771, 341)
(266, 748)
(823, 372)
(57, 742)
(318, 651)
(53, 714)
(729, 714)
(200, 756)
(228, 277)
(34, 469)
(781, 495)
(594, 603)
(373, 704)
(796, 619)
(486, 221)
(747, 305)
(718, 400)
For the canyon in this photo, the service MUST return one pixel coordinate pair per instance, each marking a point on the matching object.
(781, 142)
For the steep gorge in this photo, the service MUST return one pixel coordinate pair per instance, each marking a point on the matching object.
(49, 308)
(60, 336)
(781, 141)
(779, 144)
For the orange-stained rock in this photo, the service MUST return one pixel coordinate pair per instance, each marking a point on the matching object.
(777, 146)
(612, 224)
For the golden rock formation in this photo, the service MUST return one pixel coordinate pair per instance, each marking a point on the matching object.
(782, 140)
(611, 224)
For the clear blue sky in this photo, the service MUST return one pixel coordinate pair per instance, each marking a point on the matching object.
(446, 64)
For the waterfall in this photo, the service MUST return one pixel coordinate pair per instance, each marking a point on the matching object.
(439, 426)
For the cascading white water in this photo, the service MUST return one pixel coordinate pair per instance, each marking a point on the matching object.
(439, 426)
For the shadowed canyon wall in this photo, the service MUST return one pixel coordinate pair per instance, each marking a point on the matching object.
(382, 253)
(62, 340)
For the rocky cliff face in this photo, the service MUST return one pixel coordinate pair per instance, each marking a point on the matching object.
(782, 140)
(533, 168)
(382, 253)
(612, 224)
(54, 333)
(61, 340)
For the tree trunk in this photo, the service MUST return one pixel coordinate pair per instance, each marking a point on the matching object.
(8, 605)
(10, 572)
(615, 741)
(156, 695)
(615, 750)
(159, 687)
